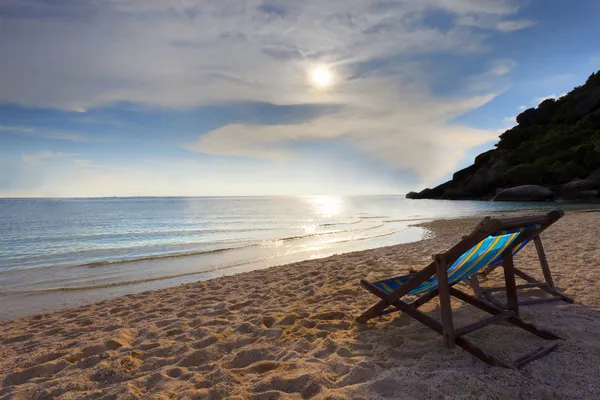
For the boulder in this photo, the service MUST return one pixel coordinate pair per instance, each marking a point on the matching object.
(456, 194)
(525, 193)
(587, 102)
(582, 184)
(486, 178)
(526, 118)
(584, 195)
(595, 174)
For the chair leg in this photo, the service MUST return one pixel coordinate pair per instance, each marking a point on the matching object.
(547, 289)
(512, 300)
(543, 261)
(494, 310)
(445, 306)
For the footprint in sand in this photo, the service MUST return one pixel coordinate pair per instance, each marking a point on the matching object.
(244, 358)
(238, 306)
(42, 370)
(268, 321)
(16, 339)
(306, 385)
(209, 341)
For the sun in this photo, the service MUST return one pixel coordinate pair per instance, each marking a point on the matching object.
(321, 77)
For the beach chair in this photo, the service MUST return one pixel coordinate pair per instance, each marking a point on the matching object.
(492, 240)
(530, 282)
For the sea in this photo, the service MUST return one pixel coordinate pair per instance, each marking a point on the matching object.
(57, 253)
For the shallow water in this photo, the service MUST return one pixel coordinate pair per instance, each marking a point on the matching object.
(125, 245)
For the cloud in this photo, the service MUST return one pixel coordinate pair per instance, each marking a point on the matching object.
(511, 120)
(67, 136)
(83, 162)
(195, 52)
(502, 67)
(402, 126)
(493, 22)
(553, 96)
(517, 25)
(16, 129)
(80, 55)
(44, 155)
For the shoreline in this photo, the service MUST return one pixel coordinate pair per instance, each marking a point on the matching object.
(289, 332)
(22, 303)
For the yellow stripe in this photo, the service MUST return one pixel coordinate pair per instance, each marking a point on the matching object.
(386, 287)
(467, 258)
(508, 242)
(490, 247)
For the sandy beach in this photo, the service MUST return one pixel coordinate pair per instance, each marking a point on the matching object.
(289, 332)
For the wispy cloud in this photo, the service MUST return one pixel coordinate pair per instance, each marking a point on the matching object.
(36, 132)
(502, 67)
(45, 155)
(411, 133)
(494, 22)
(16, 129)
(553, 96)
(71, 137)
(517, 25)
(83, 162)
(205, 52)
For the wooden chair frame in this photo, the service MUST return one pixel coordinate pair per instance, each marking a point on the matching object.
(531, 282)
(392, 302)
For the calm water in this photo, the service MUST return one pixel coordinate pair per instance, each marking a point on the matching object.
(133, 244)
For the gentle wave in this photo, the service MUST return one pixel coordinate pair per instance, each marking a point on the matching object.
(105, 286)
(160, 257)
(59, 258)
(342, 223)
(160, 278)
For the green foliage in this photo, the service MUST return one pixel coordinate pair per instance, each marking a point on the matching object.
(594, 79)
(550, 149)
(552, 144)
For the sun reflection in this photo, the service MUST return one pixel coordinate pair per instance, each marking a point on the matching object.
(327, 206)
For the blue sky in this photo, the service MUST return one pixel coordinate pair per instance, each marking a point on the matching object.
(148, 97)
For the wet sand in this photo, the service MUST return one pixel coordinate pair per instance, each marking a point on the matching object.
(289, 332)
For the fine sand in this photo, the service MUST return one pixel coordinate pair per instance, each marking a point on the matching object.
(289, 332)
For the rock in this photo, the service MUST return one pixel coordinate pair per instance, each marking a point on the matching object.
(526, 118)
(582, 184)
(588, 101)
(485, 157)
(485, 179)
(584, 195)
(595, 174)
(457, 194)
(525, 193)
(412, 195)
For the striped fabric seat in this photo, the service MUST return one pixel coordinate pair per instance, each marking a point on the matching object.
(487, 252)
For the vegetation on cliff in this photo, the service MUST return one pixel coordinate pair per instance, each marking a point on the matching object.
(555, 143)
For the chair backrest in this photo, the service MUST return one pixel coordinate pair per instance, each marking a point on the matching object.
(486, 245)
(473, 260)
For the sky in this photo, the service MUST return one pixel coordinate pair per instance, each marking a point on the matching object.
(227, 97)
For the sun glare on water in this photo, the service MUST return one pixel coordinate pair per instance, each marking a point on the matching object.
(321, 77)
